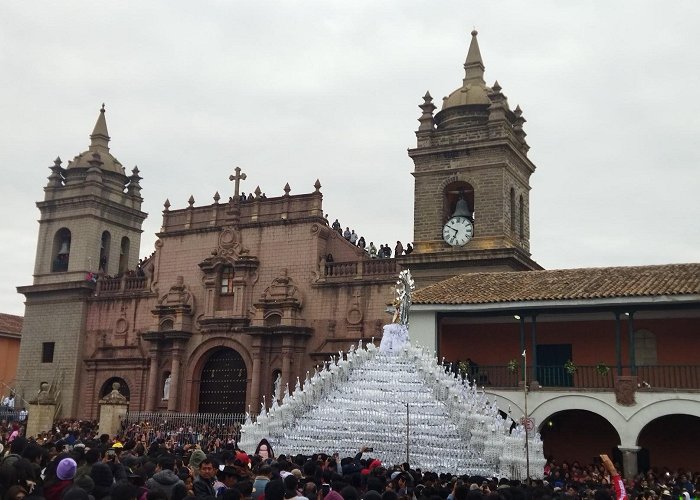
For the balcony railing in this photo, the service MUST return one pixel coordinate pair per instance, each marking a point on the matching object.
(375, 268)
(588, 377)
(122, 284)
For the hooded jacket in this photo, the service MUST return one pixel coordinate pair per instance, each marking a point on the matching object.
(164, 480)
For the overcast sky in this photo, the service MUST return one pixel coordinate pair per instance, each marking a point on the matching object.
(292, 91)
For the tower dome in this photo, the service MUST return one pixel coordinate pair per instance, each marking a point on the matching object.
(473, 89)
(98, 152)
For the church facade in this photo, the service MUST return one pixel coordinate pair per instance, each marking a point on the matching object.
(239, 291)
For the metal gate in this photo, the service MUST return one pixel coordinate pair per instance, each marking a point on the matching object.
(222, 386)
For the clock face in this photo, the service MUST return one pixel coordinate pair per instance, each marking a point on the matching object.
(458, 231)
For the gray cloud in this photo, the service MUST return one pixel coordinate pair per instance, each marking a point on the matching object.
(294, 91)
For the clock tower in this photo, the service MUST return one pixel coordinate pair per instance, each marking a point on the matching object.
(472, 182)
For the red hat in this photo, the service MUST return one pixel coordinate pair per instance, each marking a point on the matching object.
(243, 457)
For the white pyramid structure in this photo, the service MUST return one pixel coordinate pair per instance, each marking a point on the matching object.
(398, 400)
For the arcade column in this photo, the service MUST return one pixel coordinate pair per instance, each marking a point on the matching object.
(629, 461)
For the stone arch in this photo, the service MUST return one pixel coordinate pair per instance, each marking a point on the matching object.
(652, 411)
(124, 250)
(504, 403)
(105, 247)
(669, 441)
(576, 434)
(512, 210)
(124, 381)
(521, 217)
(198, 359)
(60, 253)
(586, 402)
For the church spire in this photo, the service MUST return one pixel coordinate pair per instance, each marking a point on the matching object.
(474, 66)
(100, 137)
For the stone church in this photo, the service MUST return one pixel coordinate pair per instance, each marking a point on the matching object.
(240, 291)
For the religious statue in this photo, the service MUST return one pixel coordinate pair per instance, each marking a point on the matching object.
(277, 396)
(166, 388)
(395, 334)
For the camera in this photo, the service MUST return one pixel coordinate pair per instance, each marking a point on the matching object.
(369, 449)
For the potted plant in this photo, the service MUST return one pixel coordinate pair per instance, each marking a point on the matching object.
(602, 369)
(570, 367)
(513, 365)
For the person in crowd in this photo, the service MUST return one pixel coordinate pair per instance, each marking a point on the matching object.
(353, 237)
(262, 477)
(398, 249)
(203, 486)
(372, 250)
(347, 233)
(409, 249)
(164, 478)
(361, 243)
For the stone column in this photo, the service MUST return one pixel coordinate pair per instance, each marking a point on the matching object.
(287, 361)
(42, 410)
(629, 461)
(153, 391)
(174, 396)
(255, 380)
(113, 408)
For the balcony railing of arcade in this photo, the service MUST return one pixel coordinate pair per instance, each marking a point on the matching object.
(120, 285)
(183, 428)
(589, 377)
(375, 268)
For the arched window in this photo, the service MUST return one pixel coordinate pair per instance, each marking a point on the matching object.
(273, 320)
(512, 210)
(61, 251)
(644, 348)
(521, 209)
(105, 242)
(124, 255)
(227, 275)
(458, 194)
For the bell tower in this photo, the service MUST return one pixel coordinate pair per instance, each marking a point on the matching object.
(90, 223)
(472, 182)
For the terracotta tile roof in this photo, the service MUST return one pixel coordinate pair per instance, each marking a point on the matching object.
(563, 284)
(11, 324)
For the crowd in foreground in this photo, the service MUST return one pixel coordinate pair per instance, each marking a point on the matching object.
(72, 462)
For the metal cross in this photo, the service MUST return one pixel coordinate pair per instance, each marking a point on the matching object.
(237, 180)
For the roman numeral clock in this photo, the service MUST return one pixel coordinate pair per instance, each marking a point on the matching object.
(458, 231)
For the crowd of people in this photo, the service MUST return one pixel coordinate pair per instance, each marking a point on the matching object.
(384, 250)
(74, 462)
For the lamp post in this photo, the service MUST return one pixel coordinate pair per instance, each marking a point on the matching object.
(526, 423)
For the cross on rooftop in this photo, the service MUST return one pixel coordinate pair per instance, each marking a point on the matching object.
(237, 181)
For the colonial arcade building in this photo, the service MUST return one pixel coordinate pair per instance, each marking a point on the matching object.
(239, 291)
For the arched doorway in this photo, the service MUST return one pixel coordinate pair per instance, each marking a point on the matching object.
(670, 441)
(123, 388)
(222, 386)
(581, 435)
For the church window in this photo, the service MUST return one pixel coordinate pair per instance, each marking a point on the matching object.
(124, 255)
(521, 229)
(47, 349)
(273, 320)
(61, 253)
(512, 210)
(104, 251)
(458, 196)
(644, 348)
(227, 275)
